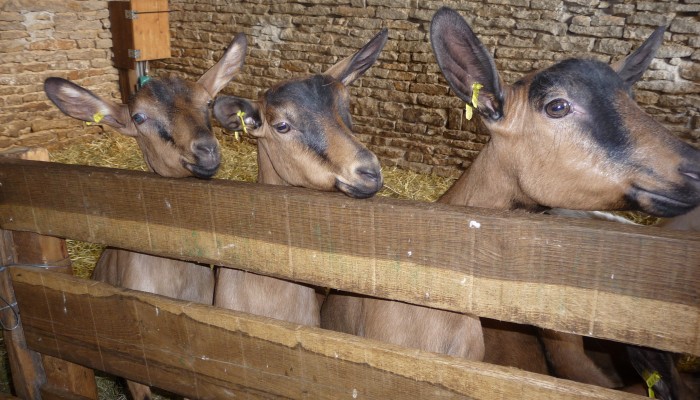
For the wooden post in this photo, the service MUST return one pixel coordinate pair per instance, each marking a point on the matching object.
(27, 373)
(140, 32)
(57, 378)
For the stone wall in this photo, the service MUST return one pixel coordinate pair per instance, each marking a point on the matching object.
(43, 38)
(402, 107)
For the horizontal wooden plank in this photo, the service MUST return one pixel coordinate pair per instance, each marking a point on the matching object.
(587, 277)
(204, 352)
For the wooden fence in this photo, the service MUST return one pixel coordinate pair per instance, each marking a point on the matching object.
(592, 278)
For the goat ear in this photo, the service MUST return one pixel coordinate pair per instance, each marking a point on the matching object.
(218, 76)
(226, 111)
(465, 62)
(632, 67)
(80, 103)
(352, 67)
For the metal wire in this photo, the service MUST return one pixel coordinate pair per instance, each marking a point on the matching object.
(13, 306)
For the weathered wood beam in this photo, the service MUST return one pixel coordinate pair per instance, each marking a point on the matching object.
(57, 378)
(204, 352)
(587, 277)
(27, 371)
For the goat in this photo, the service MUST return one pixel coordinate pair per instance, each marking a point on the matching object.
(568, 136)
(170, 120)
(304, 138)
(686, 222)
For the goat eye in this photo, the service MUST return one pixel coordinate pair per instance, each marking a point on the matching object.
(282, 127)
(139, 118)
(558, 108)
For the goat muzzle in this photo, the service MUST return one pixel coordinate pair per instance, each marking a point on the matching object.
(368, 181)
(207, 159)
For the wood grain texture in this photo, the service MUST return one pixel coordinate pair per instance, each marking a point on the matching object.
(27, 373)
(203, 352)
(587, 277)
(151, 29)
(58, 378)
(63, 379)
(149, 32)
(122, 34)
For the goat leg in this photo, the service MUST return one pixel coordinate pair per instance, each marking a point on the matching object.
(567, 358)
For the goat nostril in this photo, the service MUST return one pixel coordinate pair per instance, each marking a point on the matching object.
(206, 148)
(691, 173)
(369, 173)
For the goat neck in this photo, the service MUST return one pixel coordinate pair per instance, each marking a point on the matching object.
(568, 136)
(170, 120)
(304, 132)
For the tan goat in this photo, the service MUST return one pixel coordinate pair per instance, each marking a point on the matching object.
(170, 119)
(304, 133)
(568, 136)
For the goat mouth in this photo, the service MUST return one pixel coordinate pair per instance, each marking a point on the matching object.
(203, 172)
(359, 192)
(661, 204)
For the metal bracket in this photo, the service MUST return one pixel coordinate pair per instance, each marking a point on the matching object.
(134, 53)
(133, 14)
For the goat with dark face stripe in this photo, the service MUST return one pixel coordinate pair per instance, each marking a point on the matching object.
(569, 136)
(171, 122)
(304, 134)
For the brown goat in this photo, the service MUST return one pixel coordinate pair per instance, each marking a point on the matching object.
(568, 136)
(170, 120)
(685, 222)
(304, 134)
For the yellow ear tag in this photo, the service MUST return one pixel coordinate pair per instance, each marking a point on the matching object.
(96, 118)
(468, 111)
(241, 115)
(469, 108)
(651, 380)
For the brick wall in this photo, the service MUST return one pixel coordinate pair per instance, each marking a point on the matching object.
(402, 107)
(43, 38)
